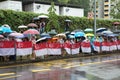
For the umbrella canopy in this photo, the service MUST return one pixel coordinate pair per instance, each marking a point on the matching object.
(35, 18)
(43, 16)
(88, 30)
(79, 34)
(1, 36)
(107, 32)
(101, 30)
(42, 39)
(32, 25)
(6, 25)
(31, 31)
(67, 20)
(5, 29)
(71, 36)
(61, 35)
(116, 31)
(67, 32)
(45, 35)
(116, 23)
(78, 30)
(89, 34)
(16, 35)
(52, 32)
(72, 33)
(112, 35)
(22, 26)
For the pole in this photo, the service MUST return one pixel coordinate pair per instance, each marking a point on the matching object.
(95, 18)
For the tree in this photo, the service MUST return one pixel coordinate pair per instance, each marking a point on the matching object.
(53, 18)
(63, 1)
(115, 11)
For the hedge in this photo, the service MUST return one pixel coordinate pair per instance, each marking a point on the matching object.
(14, 19)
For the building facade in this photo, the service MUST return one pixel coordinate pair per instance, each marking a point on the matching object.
(39, 7)
(104, 7)
(12, 5)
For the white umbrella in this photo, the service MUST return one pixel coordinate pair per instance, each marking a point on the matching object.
(60, 35)
(107, 32)
(22, 26)
(43, 16)
(67, 20)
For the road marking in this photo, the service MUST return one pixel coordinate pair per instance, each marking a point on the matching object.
(85, 64)
(42, 70)
(6, 74)
(64, 60)
(4, 78)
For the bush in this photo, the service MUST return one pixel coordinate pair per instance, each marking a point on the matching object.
(14, 19)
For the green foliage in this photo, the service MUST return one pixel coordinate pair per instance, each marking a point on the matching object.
(14, 19)
(115, 11)
(64, 1)
(53, 19)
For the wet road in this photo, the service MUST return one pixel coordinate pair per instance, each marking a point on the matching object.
(88, 68)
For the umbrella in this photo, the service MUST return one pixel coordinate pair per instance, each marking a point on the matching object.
(79, 34)
(5, 29)
(101, 30)
(22, 26)
(16, 35)
(42, 39)
(67, 32)
(107, 32)
(72, 33)
(1, 36)
(31, 31)
(89, 34)
(77, 30)
(35, 18)
(71, 36)
(43, 16)
(88, 30)
(52, 32)
(116, 31)
(44, 34)
(116, 23)
(67, 20)
(112, 35)
(60, 35)
(32, 25)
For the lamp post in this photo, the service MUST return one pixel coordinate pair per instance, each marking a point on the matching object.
(95, 18)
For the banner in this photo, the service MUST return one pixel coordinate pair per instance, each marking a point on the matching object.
(67, 47)
(97, 46)
(118, 44)
(105, 46)
(113, 46)
(40, 49)
(7, 48)
(75, 48)
(54, 49)
(86, 47)
(23, 48)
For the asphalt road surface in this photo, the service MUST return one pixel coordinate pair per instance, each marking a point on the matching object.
(86, 68)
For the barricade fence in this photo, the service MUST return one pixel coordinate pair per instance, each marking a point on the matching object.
(8, 48)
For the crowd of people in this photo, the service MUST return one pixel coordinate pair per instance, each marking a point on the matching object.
(62, 38)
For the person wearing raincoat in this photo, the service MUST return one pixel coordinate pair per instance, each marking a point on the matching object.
(92, 39)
